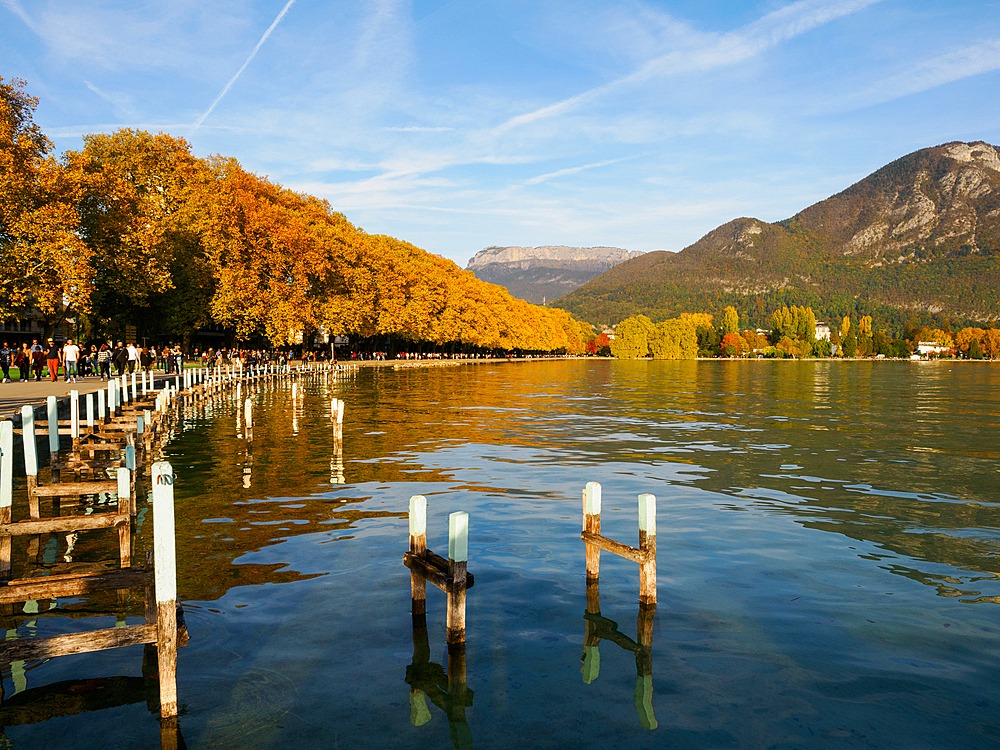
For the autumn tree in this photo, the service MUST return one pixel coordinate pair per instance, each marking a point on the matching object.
(730, 322)
(45, 264)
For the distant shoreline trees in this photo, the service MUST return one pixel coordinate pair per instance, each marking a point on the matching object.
(792, 335)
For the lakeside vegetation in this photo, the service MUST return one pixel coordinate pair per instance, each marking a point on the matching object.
(135, 230)
(792, 335)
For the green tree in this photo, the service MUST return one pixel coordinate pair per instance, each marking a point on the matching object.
(632, 338)
(730, 321)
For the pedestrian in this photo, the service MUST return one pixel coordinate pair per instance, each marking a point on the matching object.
(145, 360)
(70, 356)
(6, 355)
(52, 356)
(120, 358)
(104, 361)
(23, 363)
(133, 358)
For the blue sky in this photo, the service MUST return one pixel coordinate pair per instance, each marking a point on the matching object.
(459, 124)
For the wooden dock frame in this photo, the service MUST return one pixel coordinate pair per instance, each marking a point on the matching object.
(451, 575)
(598, 627)
(449, 691)
(164, 625)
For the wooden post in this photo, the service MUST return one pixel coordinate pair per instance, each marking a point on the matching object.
(111, 398)
(165, 576)
(248, 418)
(340, 414)
(100, 406)
(124, 506)
(647, 543)
(144, 389)
(592, 524)
(123, 397)
(458, 561)
(6, 491)
(418, 546)
(52, 406)
(135, 392)
(90, 411)
(30, 457)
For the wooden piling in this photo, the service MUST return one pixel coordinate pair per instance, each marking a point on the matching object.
(6, 492)
(248, 418)
(418, 546)
(458, 561)
(52, 407)
(592, 525)
(647, 543)
(90, 412)
(165, 576)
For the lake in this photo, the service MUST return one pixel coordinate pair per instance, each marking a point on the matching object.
(827, 561)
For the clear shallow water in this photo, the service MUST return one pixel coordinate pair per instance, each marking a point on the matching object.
(827, 559)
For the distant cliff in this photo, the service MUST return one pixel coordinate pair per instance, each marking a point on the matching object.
(538, 274)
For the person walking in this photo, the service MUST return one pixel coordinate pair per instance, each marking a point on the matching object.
(70, 358)
(52, 357)
(6, 355)
(23, 363)
(145, 360)
(133, 358)
(104, 361)
(120, 358)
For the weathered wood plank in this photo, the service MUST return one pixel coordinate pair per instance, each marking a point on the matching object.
(610, 545)
(75, 643)
(65, 523)
(74, 584)
(67, 489)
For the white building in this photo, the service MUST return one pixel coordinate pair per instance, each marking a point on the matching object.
(931, 347)
(822, 331)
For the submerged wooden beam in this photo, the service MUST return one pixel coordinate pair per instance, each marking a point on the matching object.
(75, 643)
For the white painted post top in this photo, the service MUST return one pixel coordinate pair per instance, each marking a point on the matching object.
(418, 515)
(647, 514)
(30, 447)
(53, 409)
(124, 480)
(458, 536)
(593, 503)
(164, 560)
(130, 457)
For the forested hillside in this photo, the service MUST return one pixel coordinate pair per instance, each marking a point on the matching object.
(917, 240)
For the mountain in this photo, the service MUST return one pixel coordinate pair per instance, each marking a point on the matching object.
(544, 273)
(918, 239)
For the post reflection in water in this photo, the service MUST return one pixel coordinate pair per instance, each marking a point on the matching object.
(448, 691)
(598, 628)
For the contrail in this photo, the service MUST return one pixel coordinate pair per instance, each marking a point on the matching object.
(232, 80)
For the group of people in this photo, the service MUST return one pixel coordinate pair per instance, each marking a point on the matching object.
(104, 361)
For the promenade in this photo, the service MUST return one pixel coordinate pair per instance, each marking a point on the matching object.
(17, 394)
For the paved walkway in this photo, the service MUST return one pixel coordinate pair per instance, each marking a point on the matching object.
(16, 394)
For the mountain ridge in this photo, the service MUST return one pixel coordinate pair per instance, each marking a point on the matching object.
(918, 237)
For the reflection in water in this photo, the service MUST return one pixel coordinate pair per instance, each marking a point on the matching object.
(828, 537)
(446, 690)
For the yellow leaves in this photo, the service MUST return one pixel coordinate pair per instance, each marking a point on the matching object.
(134, 219)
